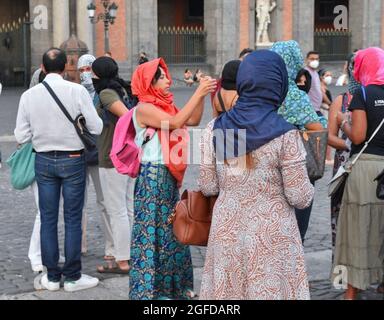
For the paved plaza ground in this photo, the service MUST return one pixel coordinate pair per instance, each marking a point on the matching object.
(18, 210)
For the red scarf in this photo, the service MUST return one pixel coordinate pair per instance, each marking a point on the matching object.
(174, 144)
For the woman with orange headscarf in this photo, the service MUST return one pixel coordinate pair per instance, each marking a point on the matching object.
(161, 268)
(359, 240)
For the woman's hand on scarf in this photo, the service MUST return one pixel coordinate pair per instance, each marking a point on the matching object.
(207, 86)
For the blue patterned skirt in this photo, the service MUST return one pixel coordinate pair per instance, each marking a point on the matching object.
(161, 267)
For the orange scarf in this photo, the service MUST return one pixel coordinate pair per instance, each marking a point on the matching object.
(174, 144)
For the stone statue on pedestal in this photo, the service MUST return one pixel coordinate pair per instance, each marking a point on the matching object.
(263, 11)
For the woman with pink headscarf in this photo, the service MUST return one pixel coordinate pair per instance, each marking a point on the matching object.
(360, 235)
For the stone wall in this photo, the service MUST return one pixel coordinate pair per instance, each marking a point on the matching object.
(222, 24)
(142, 30)
(42, 39)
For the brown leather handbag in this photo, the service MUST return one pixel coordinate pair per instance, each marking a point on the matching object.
(192, 218)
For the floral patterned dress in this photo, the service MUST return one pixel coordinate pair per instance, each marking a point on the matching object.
(254, 250)
(161, 267)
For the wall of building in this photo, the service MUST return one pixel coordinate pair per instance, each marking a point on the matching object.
(117, 33)
(142, 31)
(222, 22)
(41, 39)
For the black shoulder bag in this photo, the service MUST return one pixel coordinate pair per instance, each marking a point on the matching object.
(88, 139)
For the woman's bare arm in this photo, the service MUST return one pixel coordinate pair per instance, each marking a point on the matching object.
(333, 139)
(150, 116)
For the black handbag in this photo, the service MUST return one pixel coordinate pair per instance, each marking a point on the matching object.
(315, 143)
(88, 139)
(380, 186)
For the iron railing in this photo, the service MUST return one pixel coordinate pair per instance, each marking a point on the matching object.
(333, 45)
(182, 45)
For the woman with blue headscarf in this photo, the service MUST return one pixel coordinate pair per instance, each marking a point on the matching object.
(255, 161)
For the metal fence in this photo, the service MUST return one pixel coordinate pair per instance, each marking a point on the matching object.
(333, 45)
(182, 45)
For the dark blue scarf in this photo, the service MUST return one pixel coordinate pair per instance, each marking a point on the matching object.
(262, 85)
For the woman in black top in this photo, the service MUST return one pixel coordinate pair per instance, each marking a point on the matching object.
(359, 242)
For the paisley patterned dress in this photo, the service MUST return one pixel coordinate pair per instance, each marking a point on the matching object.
(161, 268)
(254, 250)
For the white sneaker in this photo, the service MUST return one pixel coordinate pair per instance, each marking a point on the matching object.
(37, 268)
(49, 285)
(85, 282)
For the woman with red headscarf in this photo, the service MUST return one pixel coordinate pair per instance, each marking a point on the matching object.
(359, 239)
(161, 268)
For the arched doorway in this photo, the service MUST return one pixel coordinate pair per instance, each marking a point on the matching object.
(332, 34)
(181, 35)
(14, 42)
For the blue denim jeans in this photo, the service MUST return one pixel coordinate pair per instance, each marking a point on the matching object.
(57, 173)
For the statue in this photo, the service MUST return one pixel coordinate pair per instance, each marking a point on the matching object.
(263, 11)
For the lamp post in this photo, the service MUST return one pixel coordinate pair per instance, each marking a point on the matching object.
(108, 17)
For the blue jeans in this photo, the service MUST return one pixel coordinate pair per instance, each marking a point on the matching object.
(56, 173)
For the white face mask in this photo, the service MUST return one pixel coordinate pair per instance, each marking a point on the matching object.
(86, 78)
(328, 80)
(314, 64)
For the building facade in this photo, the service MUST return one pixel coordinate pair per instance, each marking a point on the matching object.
(188, 33)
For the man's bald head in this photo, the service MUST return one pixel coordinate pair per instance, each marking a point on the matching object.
(54, 61)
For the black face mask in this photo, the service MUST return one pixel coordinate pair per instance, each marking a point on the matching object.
(304, 88)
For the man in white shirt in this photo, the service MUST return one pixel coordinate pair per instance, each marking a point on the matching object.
(60, 167)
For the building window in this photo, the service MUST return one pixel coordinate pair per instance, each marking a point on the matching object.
(324, 12)
(195, 10)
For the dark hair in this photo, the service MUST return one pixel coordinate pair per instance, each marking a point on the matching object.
(229, 75)
(308, 79)
(54, 60)
(157, 74)
(42, 76)
(244, 52)
(186, 70)
(311, 53)
(322, 72)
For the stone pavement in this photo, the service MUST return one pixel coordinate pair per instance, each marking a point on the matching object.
(17, 213)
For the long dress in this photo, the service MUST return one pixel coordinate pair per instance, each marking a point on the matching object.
(255, 250)
(161, 267)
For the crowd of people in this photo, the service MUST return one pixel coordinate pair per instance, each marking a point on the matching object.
(261, 217)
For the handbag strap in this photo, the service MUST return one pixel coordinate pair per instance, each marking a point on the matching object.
(373, 135)
(59, 103)
(221, 101)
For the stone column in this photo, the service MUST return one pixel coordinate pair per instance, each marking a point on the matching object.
(41, 31)
(222, 23)
(275, 30)
(142, 30)
(84, 26)
(365, 20)
(304, 24)
(60, 16)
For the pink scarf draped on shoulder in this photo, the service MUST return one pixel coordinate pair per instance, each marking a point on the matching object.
(174, 145)
(369, 66)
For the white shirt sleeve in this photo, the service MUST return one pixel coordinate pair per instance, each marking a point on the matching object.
(93, 121)
(23, 131)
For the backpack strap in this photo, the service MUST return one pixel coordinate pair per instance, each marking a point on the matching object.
(364, 93)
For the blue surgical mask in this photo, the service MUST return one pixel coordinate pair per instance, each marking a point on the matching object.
(86, 78)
